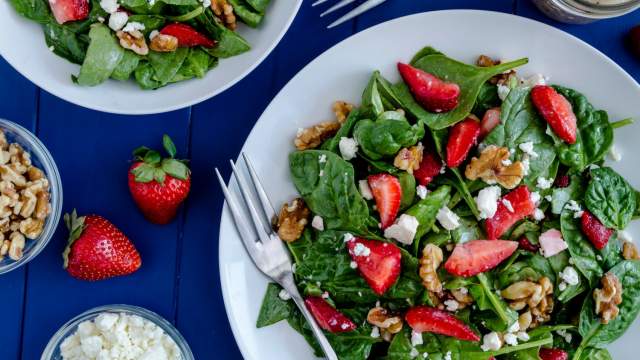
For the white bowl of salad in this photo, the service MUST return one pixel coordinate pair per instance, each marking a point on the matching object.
(139, 56)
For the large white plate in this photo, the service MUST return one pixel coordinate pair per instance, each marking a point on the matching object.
(342, 73)
(22, 45)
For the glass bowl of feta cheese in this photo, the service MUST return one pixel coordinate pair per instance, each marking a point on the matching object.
(117, 332)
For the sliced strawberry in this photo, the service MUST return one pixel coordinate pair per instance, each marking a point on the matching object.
(430, 167)
(387, 192)
(553, 354)
(378, 262)
(69, 10)
(504, 218)
(525, 244)
(434, 94)
(556, 110)
(476, 256)
(428, 319)
(462, 137)
(490, 120)
(327, 316)
(187, 36)
(595, 231)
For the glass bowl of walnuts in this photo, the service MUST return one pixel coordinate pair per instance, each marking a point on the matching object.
(30, 196)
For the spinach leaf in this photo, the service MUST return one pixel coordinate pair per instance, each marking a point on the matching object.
(467, 231)
(610, 198)
(581, 250)
(196, 64)
(329, 190)
(384, 138)
(594, 354)
(594, 135)
(259, 5)
(486, 299)
(246, 14)
(371, 103)
(521, 123)
(229, 42)
(560, 196)
(470, 79)
(596, 334)
(426, 209)
(144, 76)
(487, 99)
(150, 22)
(126, 66)
(273, 308)
(408, 185)
(344, 131)
(64, 42)
(103, 55)
(36, 10)
(425, 51)
(166, 64)
(458, 182)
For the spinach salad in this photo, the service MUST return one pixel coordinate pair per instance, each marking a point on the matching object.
(461, 213)
(155, 42)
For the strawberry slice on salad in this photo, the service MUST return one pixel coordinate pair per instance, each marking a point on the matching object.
(553, 354)
(557, 111)
(431, 92)
(490, 120)
(69, 10)
(596, 232)
(477, 256)
(327, 316)
(387, 192)
(430, 167)
(187, 36)
(514, 207)
(378, 262)
(428, 319)
(462, 137)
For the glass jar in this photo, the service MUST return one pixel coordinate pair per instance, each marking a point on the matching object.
(585, 11)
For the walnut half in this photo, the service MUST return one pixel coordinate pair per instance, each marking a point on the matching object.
(494, 166)
(387, 322)
(608, 297)
(292, 220)
(133, 41)
(224, 12)
(164, 43)
(409, 159)
(429, 262)
(536, 298)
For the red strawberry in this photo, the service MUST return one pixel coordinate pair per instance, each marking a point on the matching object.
(462, 138)
(187, 36)
(427, 319)
(430, 167)
(476, 256)
(490, 120)
(556, 110)
(379, 265)
(553, 354)
(434, 94)
(520, 200)
(387, 193)
(327, 316)
(69, 10)
(159, 186)
(597, 233)
(97, 250)
(525, 244)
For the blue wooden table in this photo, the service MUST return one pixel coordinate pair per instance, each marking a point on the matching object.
(179, 278)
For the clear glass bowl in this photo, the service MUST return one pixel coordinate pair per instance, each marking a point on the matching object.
(52, 351)
(585, 11)
(41, 158)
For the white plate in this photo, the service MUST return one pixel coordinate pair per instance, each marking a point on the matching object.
(341, 73)
(22, 45)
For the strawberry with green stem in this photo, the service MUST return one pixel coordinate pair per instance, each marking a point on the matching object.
(159, 185)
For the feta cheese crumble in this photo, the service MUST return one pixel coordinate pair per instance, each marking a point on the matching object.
(361, 250)
(570, 275)
(375, 332)
(365, 190)
(322, 158)
(153, 34)
(414, 353)
(538, 215)
(348, 148)
(543, 183)
(511, 339)
(535, 197)
(317, 223)
(118, 20)
(527, 148)
(451, 305)
(109, 6)
(503, 91)
(508, 205)
(491, 342)
(487, 201)
(575, 207)
(416, 338)
(403, 230)
(133, 26)
(422, 191)
(284, 295)
(347, 237)
(448, 219)
(353, 265)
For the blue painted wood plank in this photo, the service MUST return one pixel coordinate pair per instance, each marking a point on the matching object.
(92, 151)
(19, 105)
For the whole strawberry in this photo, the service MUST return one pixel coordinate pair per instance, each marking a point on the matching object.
(98, 250)
(158, 185)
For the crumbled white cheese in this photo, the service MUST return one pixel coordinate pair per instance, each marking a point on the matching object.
(117, 20)
(491, 342)
(416, 338)
(452, 305)
(101, 19)
(511, 339)
(507, 162)
(153, 34)
(624, 236)
(487, 201)
(348, 148)
(522, 336)
(526, 165)
(425, 355)
(422, 191)
(533, 80)
(527, 148)
(514, 328)
(109, 6)
(447, 356)
(463, 290)
(575, 207)
(614, 153)
(543, 183)
(403, 230)
(570, 275)
(535, 197)
(375, 332)
(448, 219)
(414, 353)
(133, 26)
(284, 295)
(503, 91)
(321, 173)
(549, 198)
(293, 268)
(508, 205)
(347, 237)
(538, 215)
(353, 265)
(361, 250)
(322, 158)
(317, 223)
(52, 48)
(206, 4)
(365, 190)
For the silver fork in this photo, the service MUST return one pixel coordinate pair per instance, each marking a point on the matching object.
(263, 244)
(365, 6)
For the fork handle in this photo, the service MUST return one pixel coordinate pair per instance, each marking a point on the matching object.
(288, 284)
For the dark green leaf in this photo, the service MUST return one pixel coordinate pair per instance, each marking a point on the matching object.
(103, 56)
(426, 209)
(408, 185)
(610, 198)
(583, 254)
(384, 138)
(246, 14)
(273, 308)
(126, 66)
(36, 10)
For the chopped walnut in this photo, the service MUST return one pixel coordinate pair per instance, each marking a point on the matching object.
(133, 41)
(7, 173)
(312, 137)
(292, 220)
(536, 298)
(224, 12)
(630, 251)
(388, 323)
(31, 228)
(409, 159)
(429, 262)
(342, 110)
(486, 61)
(491, 168)
(17, 245)
(463, 297)
(608, 297)
(164, 43)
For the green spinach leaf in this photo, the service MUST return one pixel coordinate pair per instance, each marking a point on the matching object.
(582, 252)
(426, 209)
(36, 10)
(126, 66)
(273, 308)
(103, 56)
(610, 198)
(384, 138)
(246, 14)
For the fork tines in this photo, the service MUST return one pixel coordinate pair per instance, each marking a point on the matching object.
(365, 6)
